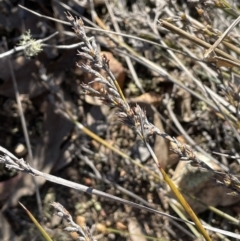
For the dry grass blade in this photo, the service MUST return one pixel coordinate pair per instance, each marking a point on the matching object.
(223, 62)
(196, 40)
(25, 129)
(37, 224)
(220, 39)
(12, 162)
(20, 165)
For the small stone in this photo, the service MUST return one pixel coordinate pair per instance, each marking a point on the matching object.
(20, 150)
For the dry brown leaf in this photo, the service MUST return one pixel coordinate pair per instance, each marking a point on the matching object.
(222, 62)
(46, 152)
(173, 158)
(193, 181)
(148, 98)
(184, 103)
(116, 68)
(6, 231)
(23, 69)
(8, 186)
(27, 72)
(160, 145)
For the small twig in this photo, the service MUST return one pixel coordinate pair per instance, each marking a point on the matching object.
(20, 48)
(20, 165)
(12, 162)
(121, 189)
(127, 59)
(196, 40)
(220, 39)
(177, 209)
(96, 28)
(226, 155)
(25, 131)
(214, 95)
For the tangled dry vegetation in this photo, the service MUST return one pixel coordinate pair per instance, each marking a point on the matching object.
(141, 99)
